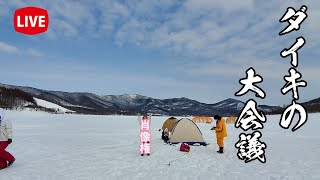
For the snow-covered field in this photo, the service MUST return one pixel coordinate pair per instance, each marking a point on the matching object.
(48, 146)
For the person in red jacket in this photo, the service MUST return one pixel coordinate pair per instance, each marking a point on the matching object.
(221, 132)
(6, 159)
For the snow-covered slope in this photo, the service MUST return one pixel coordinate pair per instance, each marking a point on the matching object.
(233, 104)
(76, 147)
(127, 100)
(133, 103)
(230, 103)
(51, 105)
(80, 102)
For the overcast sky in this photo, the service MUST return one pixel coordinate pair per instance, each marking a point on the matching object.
(197, 49)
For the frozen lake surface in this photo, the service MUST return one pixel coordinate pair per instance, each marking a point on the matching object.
(48, 146)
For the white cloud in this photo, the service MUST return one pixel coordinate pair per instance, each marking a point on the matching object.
(34, 52)
(214, 37)
(7, 48)
(10, 49)
(212, 29)
(64, 28)
(194, 27)
(229, 6)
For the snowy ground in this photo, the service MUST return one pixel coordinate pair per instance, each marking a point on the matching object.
(69, 147)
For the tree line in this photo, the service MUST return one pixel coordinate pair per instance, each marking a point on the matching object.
(15, 98)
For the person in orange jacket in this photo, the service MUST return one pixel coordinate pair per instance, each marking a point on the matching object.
(221, 132)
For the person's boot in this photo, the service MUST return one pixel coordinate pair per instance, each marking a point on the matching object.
(220, 150)
(10, 163)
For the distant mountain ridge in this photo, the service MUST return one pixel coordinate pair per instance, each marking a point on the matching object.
(132, 104)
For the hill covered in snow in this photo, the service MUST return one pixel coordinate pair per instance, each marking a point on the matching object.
(132, 104)
(46, 104)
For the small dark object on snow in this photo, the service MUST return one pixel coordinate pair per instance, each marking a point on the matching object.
(177, 158)
(184, 147)
(220, 150)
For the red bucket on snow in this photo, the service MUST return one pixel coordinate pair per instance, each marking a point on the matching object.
(184, 147)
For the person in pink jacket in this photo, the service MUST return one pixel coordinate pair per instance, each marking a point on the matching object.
(6, 159)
